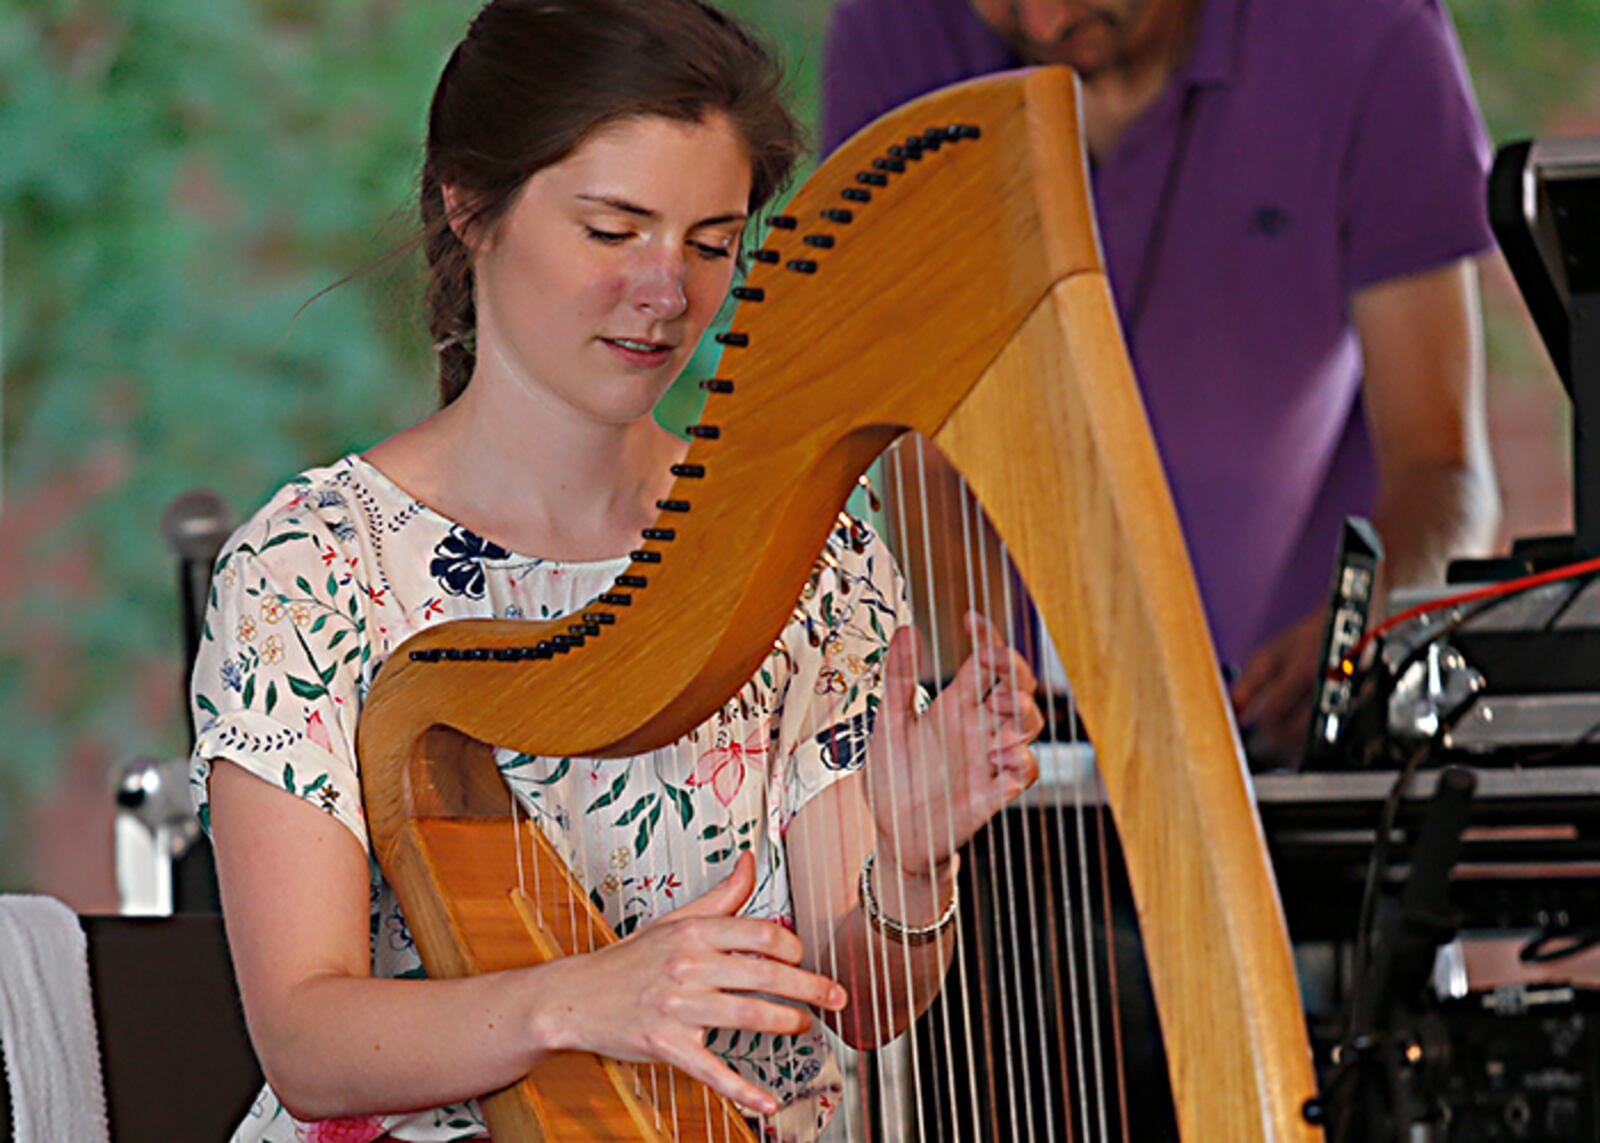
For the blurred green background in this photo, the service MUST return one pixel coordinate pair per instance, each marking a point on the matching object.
(177, 177)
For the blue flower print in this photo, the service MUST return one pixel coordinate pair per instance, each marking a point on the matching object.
(232, 675)
(342, 530)
(844, 744)
(399, 936)
(458, 562)
(330, 498)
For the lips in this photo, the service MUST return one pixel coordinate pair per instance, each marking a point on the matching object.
(637, 345)
(638, 352)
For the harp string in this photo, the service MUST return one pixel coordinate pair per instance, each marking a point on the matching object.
(1113, 1007)
(1002, 906)
(1044, 917)
(687, 743)
(1035, 916)
(943, 746)
(1050, 812)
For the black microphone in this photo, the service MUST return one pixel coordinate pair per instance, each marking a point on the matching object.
(196, 524)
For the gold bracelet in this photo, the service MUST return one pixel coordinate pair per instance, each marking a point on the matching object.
(893, 929)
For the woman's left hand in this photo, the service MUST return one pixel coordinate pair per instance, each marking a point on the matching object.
(934, 778)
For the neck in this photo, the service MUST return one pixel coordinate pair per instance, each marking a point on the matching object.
(1117, 94)
(536, 477)
(1156, 46)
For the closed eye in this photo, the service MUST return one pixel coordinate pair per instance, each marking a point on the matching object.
(607, 237)
(711, 253)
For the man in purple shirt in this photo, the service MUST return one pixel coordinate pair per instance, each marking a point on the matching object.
(1290, 193)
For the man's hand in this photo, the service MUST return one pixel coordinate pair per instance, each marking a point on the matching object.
(1273, 694)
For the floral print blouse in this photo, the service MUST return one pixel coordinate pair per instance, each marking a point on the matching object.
(312, 595)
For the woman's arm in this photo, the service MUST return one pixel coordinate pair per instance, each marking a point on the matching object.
(932, 780)
(889, 983)
(333, 1041)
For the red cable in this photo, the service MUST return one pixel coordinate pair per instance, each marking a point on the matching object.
(1570, 571)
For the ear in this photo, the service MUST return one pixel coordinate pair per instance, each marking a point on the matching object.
(458, 213)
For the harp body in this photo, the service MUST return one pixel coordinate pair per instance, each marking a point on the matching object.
(966, 301)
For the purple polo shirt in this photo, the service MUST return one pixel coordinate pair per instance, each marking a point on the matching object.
(1313, 147)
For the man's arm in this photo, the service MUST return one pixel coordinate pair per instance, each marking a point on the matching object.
(1422, 340)
(1422, 344)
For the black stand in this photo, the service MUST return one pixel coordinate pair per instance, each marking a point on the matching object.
(1394, 1056)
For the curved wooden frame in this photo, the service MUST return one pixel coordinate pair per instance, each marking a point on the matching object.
(977, 313)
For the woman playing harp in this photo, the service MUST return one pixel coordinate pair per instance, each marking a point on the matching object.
(591, 169)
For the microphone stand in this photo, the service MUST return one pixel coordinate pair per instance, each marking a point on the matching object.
(1393, 1053)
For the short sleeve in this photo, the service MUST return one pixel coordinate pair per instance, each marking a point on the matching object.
(278, 681)
(879, 54)
(848, 99)
(847, 615)
(1414, 193)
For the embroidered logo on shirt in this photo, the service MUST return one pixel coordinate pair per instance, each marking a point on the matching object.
(1268, 221)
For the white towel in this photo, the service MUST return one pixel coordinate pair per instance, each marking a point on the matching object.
(47, 1024)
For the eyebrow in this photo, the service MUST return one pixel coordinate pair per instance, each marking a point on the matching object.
(627, 207)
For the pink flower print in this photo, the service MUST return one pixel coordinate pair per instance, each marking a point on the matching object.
(341, 1131)
(317, 733)
(272, 652)
(246, 629)
(722, 768)
(271, 608)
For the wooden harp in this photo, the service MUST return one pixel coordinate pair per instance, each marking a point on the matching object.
(965, 300)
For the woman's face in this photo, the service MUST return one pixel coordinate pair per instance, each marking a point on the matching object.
(595, 287)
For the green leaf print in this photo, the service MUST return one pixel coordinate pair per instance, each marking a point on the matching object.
(338, 637)
(827, 608)
(306, 690)
(327, 675)
(610, 795)
(683, 801)
(333, 586)
(636, 809)
(720, 855)
(205, 704)
(249, 691)
(303, 584)
(288, 777)
(321, 622)
(272, 695)
(641, 841)
(556, 775)
(282, 538)
(322, 780)
(710, 832)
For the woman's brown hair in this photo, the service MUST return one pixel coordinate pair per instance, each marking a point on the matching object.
(532, 80)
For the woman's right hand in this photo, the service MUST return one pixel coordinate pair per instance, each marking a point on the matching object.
(653, 996)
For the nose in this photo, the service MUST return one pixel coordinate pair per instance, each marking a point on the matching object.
(658, 290)
(1043, 21)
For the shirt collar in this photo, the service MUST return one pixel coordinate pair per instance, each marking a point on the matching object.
(1215, 43)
